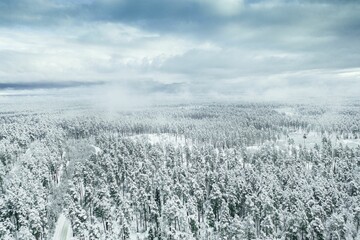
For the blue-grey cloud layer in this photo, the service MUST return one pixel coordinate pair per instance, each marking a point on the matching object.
(228, 46)
(45, 85)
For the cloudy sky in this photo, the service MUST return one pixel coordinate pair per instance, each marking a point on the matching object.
(188, 48)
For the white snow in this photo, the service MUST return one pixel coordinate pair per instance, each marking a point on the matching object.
(309, 166)
(312, 138)
(350, 142)
(59, 174)
(96, 149)
(63, 230)
(138, 236)
(287, 111)
(253, 149)
(164, 138)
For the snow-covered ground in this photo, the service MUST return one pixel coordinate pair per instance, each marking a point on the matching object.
(164, 138)
(97, 150)
(63, 230)
(352, 143)
(287, 111)
(252, 149)
(313, 138)
(138, 236)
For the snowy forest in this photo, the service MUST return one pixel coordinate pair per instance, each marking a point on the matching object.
(168, 172)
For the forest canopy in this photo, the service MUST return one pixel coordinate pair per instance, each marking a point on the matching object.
(206, 171)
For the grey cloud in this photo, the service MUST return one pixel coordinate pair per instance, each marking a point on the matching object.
(265, 45)
(275, 21)
(45, 85)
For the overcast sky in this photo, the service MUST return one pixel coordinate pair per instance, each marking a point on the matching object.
(212, 48)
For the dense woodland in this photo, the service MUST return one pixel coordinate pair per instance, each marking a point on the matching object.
(220, 173)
